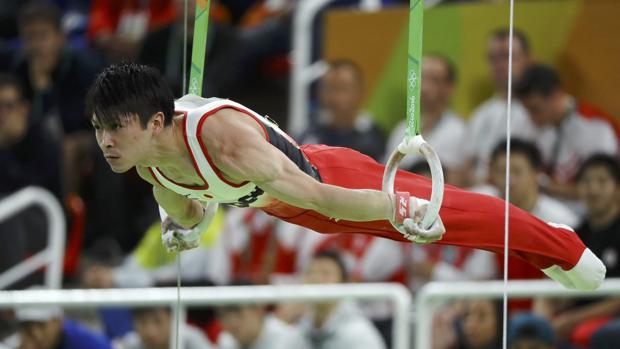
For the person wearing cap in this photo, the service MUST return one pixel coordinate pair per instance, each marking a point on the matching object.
(47, 328)
(528, 331)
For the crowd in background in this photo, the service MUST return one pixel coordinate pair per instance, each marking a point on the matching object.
(563, 169)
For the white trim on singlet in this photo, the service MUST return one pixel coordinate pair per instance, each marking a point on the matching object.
(216, 187)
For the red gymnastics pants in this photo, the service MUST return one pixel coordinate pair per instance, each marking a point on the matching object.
(471, 220)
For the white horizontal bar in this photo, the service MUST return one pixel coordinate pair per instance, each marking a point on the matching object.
(431, 296)
(222, 296)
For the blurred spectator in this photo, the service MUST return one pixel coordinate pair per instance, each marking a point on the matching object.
(117, 27)
(487, 125)
(371, 259)
(480, 325)
(525, 169)
(55, 76)
(598, 183)
(28, 155)
(149, 263)
(163, 49)
(336, 325)
(527, 331)
(441, 127)
(46, 328)
(251, 327)
(341, 121)
(56, 79)
(607, 336)
(264, 249)
(471, 324)
(153, 331)
(570, 137)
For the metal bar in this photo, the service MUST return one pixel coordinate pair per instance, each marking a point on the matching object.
(431, 295)
(222, 296)
(16, 202)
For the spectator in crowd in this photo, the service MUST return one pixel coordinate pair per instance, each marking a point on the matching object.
(608, 336)
(28, 155)
(598, 184)
(54, 75)
(528, 331)
(487, 125)
(150, 264)
(153, 331)
(265, 250)
(222, 59)
(525, 169)
(336, 325)
(56, 79)
(117, 27)
(471, 324)
(441, 127)
(570, 137)
(340, 120)
(46, 328)
(252, 327)
(481, 324)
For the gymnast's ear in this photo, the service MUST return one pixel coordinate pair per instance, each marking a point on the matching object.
(157, 122)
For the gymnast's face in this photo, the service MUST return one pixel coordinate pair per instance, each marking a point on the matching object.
(124, 143)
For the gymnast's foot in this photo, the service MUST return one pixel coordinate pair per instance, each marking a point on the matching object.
(587, 275)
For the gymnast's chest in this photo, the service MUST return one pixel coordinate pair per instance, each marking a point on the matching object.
(213, 187)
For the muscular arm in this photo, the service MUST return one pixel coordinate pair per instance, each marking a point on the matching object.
(183, 211)
(239, 149)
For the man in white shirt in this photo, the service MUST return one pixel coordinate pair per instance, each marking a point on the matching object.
(525, 169)
(251, 327)
(336, 325)
(487, 125)
(441, 127)
(569, 137)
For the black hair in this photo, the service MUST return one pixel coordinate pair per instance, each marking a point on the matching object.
(11, 81)
(496, 342)
(610, 162)
(126, 89)
(504, 33)
(519, 146)
(348, 64)
(448, 65)
(143, 311)
(539, 79)
(335, 257)
(40, 11)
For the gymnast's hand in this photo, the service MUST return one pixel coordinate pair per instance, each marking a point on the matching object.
(176, 238)
(408, 214)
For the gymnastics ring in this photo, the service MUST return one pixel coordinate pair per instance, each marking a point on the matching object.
(417, 145)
